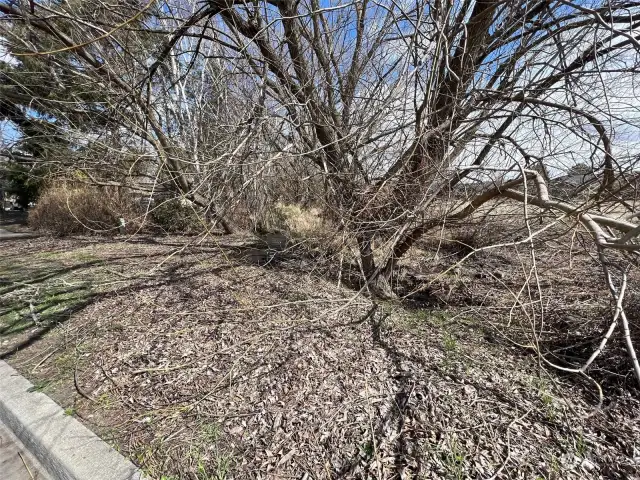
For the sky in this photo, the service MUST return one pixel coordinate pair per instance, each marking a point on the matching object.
(9, 134)
(561, 148)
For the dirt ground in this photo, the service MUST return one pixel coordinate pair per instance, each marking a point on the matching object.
(199, 362)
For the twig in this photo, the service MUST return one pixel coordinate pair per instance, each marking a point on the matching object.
(45, 359)
(77, 385)
(506, 460)
(625, 323)
(614, 322)
(104, 372)
(26, 466)
(373, 434)
(162, 369)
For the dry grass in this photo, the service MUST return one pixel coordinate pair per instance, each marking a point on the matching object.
(68, 210)
(301, 222)
(203, 366)
(291, 219)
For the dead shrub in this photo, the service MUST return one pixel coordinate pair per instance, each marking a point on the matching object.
(485, 230)
(305, 227)
(177, 216)
(67, 210)
(300, 222)
(289, 219)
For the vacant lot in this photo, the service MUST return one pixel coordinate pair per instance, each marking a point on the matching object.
(200, 362)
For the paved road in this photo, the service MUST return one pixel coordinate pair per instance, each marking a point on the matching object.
(10, 221)
(16, 463)
(7, 235)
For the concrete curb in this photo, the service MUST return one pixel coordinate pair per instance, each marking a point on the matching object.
(65, 448)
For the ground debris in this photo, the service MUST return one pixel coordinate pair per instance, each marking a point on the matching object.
(198, 363)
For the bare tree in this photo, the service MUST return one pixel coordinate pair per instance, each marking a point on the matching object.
(395, 106)
(110, 113)
(390, 100)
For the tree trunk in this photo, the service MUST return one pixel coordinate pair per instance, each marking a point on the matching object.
(366, 255)
(378, 280)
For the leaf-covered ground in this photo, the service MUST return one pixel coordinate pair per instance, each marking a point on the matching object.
(199, 363)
